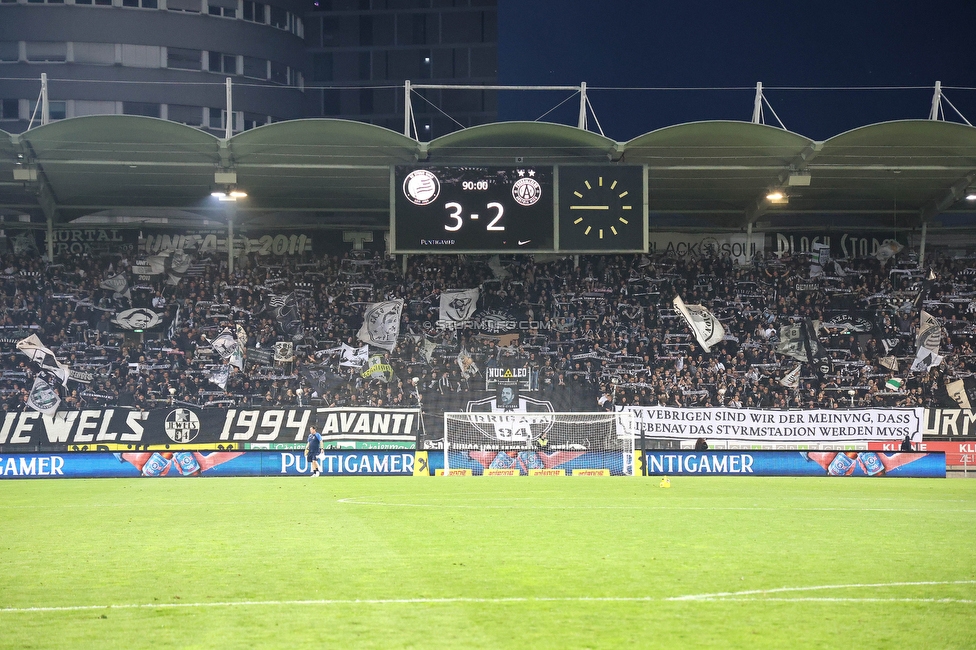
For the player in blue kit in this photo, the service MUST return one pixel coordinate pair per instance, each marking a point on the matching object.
(313, 448)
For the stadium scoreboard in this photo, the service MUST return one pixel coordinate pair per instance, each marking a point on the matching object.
(518, 209)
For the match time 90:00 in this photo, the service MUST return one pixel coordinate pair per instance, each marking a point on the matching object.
(474, 185)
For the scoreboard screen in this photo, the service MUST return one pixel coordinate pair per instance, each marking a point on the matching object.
(472, 209)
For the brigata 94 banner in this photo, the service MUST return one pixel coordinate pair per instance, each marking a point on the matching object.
(777, 426)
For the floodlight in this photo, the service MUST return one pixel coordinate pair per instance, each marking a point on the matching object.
(798, 179)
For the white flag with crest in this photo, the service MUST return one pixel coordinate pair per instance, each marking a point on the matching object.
(706, 327)
(381, 324)
(459, 305)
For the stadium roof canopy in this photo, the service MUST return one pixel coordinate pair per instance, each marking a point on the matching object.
(115, 169)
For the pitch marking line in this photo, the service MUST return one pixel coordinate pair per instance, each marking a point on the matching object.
(734, 596)
(357, 501)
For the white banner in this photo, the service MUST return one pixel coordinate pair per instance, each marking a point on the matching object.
(777, 426)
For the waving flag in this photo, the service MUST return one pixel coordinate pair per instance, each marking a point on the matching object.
(459, 305)
(708, 331)
(381, 324)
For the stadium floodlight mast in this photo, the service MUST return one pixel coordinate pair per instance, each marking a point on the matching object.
(229, 197)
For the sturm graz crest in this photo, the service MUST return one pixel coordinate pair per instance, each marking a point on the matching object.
(182, 425)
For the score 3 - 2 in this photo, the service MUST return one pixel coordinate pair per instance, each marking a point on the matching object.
(456, 211)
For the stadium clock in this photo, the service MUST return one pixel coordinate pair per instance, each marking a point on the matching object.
(474, 209)
(601, 209)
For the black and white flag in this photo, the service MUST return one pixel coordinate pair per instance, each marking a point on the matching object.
(962, 392)
(225, 344)
(137, 319)
(174, 327)
(791, 342)
(459, 305)
(792, 378)
(925, 360)
(44, 357)
(353, 357)
(817, 354)
(708, 331)
(381, 324)
(43, 397)
(929, 333)
(287, 316)
(220, 375)
(119, 284)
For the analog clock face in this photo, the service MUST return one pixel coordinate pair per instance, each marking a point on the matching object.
(601, 208)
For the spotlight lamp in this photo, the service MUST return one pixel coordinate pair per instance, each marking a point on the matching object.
(230, 194)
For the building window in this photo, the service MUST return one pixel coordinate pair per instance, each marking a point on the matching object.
(322, 66)
(92, 107)
(183, 59)
(364, 66)
(192, 6)
(279, 73)
(47, 52)
(141, 108)
(225, 8)
(9, 51)
(330, 31)
(189, 115)
(365, 101)
(55, 110)
(254, 12)
(9, 109)
(142, 56)
(331, 102)
(226, 63)
(96, 53)
(215, 118)
(253, 120)
(255, 68)
(279, 18)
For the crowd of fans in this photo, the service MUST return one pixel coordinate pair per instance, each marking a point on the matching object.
(604, 323)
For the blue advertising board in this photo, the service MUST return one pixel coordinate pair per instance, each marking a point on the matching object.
(796, 463)
(396, 463)
(708, 463)
(186, 463)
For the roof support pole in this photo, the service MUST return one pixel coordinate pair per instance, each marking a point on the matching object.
(921, 245)
(757, 105)
(50, 237)
(229, 126)
(407, 108)
(45, 103)
(749, 242)
(231, 208)
(581, 123)
(45, 197)
(936, 101)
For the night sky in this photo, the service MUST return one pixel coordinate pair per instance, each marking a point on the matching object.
(812, 43)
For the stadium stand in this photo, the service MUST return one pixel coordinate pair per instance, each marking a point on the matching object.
(602, 323)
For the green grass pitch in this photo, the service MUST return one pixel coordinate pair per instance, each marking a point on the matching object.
(488, 563)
